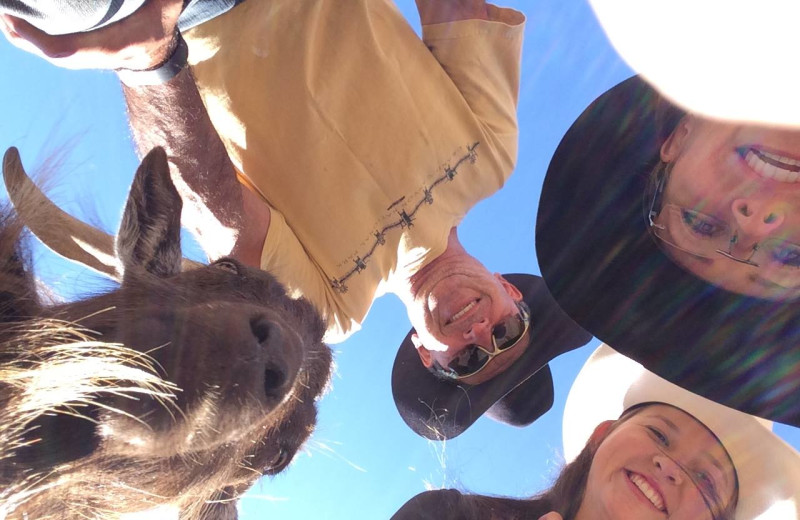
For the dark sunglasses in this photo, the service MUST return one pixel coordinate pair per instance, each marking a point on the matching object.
(474, 358)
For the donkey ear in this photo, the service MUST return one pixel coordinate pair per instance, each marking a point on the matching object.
(150, 234)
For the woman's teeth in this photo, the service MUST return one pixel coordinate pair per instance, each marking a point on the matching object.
(648, 491)
(773, 166)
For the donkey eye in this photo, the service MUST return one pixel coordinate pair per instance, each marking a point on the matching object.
(227, 265)
(279, 461)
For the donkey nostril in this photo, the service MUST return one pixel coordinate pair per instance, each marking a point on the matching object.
(769, 219)
(261, 328)
(274, 379)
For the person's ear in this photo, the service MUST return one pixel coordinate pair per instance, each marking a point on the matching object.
(424, 354)
(674, 144)
(600, 432)
(509, 287)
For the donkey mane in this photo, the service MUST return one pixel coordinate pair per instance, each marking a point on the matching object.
(64, 389)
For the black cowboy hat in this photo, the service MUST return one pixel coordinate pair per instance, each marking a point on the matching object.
(606, 271)
(440, 409)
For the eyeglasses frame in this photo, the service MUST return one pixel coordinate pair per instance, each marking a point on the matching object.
(656, 208)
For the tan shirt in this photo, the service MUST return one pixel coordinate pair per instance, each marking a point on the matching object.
(367, 145)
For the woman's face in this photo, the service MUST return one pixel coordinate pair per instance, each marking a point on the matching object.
(748, 179)
(659, 463)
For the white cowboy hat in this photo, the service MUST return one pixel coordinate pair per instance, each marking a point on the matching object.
(767, 467)
(702, 55)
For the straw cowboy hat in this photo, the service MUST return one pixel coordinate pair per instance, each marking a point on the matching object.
(439, 409)
(606, 270)
(768, 469)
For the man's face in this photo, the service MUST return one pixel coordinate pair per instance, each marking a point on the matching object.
(660, 463)
(745, 177)
(460, 307)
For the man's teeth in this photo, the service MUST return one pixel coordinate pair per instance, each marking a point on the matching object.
(648, 491)
(773, 166)
(463, 311)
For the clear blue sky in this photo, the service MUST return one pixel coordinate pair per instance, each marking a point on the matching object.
(362, 462)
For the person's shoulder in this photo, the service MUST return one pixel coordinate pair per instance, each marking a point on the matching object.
(437, 504)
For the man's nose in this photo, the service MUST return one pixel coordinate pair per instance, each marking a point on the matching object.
(667, 469)
(480, 332)
(756, 220)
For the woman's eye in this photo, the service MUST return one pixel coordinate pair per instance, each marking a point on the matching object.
(707, 487)
(227, 265)
(700, 224)
(705, 478)
(787, 255)
(659, 436)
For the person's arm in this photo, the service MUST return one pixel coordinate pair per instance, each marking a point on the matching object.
(479, 46)
(226, 217)
(137, 42)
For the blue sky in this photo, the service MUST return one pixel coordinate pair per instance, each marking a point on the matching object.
(362, 462)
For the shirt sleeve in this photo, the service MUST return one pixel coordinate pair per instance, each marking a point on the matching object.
(286, 259)
(483, 59)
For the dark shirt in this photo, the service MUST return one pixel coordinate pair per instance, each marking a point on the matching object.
(451, 504)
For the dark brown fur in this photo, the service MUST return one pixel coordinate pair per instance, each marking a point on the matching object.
(221, 374)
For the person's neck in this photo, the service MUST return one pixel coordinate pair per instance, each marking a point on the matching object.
(582, 514)
(454, 252)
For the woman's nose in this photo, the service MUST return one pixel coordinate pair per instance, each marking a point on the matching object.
(757, 219)
(667, 469)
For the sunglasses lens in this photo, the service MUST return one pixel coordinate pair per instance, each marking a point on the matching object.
(470, 360)
(508, 332)
(505, 335)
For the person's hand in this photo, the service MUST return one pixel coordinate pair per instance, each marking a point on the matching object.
(552, 515)
(141, 41)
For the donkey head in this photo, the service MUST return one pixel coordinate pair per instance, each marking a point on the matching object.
(239, 367)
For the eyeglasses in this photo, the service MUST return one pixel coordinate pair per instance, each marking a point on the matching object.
(706, 236)
(475, 358)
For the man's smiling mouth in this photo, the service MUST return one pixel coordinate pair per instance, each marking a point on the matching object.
(648, 491)
(463, 312)
(771, 165)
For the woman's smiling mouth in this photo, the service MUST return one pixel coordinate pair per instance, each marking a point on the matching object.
(649, 492)
(771, 165)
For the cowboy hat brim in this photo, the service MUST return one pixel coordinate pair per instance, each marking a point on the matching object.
(439, 409)
(768, 469)
(607, 272)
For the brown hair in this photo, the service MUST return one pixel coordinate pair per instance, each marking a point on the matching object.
(564, 496)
